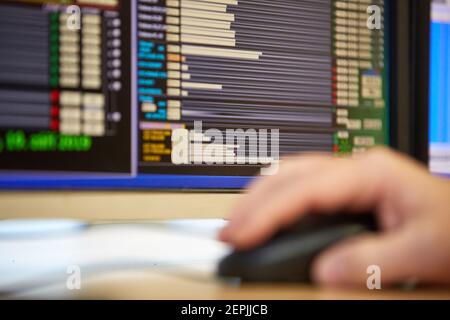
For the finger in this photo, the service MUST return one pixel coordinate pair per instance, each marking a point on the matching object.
(393, 257)
(289, 169)
(344, 184)
(263, 188)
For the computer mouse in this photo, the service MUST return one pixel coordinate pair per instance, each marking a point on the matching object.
(288, 256)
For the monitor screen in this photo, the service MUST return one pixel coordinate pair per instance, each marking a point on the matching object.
(144, 94)
(440, 88)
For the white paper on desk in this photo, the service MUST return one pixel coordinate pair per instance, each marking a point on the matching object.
(33, 262)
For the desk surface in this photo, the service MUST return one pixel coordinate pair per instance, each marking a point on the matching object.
(151, 286)
(115, 205)
(176, 245)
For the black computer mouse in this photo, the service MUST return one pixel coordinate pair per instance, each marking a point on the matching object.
(288, 256)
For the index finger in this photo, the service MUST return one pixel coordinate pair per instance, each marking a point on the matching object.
(339, 184)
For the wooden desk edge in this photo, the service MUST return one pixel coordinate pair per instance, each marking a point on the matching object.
(133, 205)
(150, 286)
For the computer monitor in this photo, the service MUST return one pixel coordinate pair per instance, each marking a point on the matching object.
(102, 94)
(440, 88)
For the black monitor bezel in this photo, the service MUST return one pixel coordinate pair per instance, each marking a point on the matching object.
(409, 39)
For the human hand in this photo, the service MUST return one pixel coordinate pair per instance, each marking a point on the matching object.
(412, 208)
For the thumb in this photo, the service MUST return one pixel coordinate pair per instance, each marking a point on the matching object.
(350, 263)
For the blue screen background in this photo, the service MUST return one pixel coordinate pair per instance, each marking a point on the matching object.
(440, 83)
